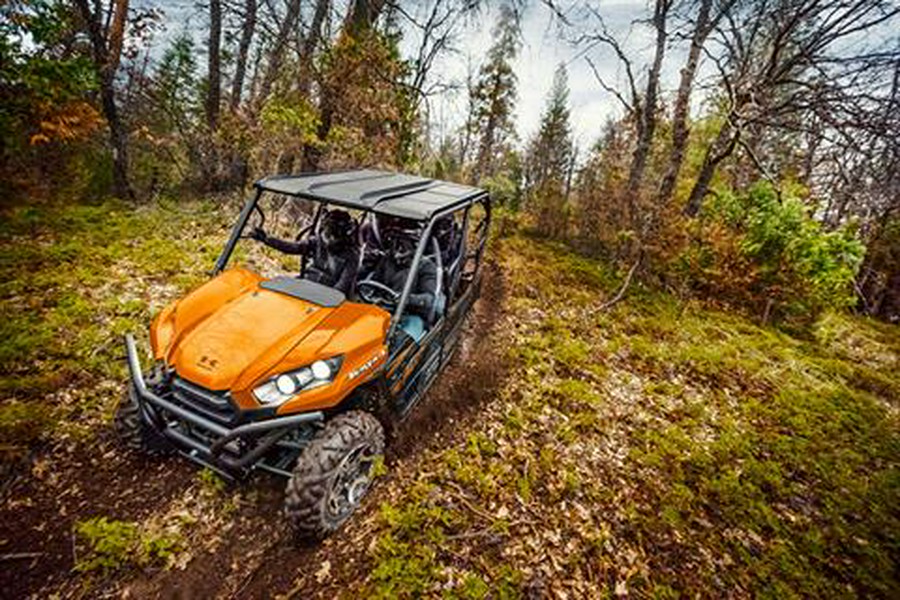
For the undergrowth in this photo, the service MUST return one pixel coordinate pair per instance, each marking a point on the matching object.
(659, 449)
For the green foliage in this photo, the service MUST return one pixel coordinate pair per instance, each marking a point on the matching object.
(31, 37)
(772, 250)
(111, 545)
(492, 98)
(296, 120)
(503, 188)
(46, 80)
(177, 88)
(210, 483)
(403, 570)
(549, 162)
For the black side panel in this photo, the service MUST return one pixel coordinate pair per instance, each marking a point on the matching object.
(305, 290)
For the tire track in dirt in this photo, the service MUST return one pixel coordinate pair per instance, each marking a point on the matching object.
(253, 555)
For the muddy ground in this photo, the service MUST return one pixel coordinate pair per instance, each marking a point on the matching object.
(244, 550)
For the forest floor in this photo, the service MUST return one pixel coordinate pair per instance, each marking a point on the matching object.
(658, 449)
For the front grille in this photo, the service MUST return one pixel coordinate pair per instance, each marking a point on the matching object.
(215, 405)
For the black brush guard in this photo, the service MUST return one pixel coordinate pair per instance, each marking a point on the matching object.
(231, 451)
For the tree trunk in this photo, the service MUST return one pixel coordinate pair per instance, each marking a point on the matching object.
(308, 49)
(680, 130)
(647, 126)
(240, 67)
(214, 86)
(118, 139)
(107, 50)
(727, 139)
(276, 58)
(362, 15)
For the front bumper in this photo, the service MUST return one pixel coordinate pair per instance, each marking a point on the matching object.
(233, 451)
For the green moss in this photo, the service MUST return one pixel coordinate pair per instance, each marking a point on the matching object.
(210, 483)
(107, 545)
(76, 278)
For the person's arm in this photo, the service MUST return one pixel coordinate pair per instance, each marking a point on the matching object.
(425, 287)
(298, 247)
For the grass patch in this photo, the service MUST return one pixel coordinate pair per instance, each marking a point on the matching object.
(73, 280)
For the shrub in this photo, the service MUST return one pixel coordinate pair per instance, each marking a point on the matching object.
(766, 251)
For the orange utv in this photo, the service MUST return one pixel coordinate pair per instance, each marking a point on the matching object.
(299, 374)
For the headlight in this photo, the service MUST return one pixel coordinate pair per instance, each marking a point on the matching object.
(287, 385)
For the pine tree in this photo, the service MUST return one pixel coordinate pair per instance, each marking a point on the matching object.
(493, 97)
(550, 160)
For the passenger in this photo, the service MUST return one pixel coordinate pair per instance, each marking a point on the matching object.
(447, 233)
(333, 255)
(401, 238)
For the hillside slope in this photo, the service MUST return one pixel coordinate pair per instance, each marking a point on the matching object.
(657, 449)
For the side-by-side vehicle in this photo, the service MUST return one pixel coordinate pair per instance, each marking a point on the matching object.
(301, 373)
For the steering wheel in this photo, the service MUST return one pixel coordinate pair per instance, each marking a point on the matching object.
(374, 292)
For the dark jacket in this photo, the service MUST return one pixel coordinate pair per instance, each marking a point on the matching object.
(424, 290)
(335, 269)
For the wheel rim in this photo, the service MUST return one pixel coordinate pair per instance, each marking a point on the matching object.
(351, 482)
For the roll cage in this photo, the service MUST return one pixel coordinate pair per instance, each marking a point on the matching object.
(382, 193)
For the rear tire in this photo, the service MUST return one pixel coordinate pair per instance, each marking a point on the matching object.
(333, 474)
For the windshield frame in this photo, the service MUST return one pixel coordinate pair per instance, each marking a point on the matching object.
(252, 204)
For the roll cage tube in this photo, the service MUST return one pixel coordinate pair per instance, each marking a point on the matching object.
(236, 232)
(314, 230)
(463, 237)
(410, 278)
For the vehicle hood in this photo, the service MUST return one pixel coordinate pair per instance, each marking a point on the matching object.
(257, 327)
(231, 332)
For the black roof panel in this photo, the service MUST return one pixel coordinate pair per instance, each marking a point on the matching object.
(383, 192)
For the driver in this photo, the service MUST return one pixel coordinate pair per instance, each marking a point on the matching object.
(402, 237)
(334, 253)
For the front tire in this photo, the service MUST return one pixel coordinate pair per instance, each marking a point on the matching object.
(333, 474)
(130, 428)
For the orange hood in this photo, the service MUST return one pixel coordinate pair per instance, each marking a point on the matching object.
(230, 333)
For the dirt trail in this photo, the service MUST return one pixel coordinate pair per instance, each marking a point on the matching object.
(244, 551)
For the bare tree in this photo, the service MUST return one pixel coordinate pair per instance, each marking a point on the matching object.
(279, 48)
(311, 43)
(214, 71)
(240, 69)
(781, 62)
(648, 107)
(362, 15)
(708, 15)
(106, 31)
